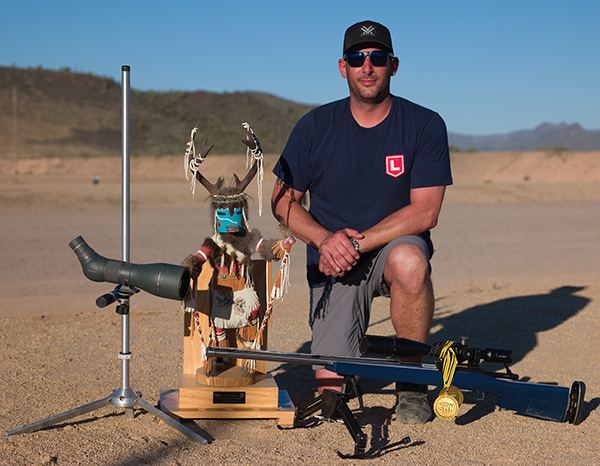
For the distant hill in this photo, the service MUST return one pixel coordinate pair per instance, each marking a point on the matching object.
(546, 136)
(68, 114)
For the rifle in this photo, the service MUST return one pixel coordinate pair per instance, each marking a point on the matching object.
(381, 360)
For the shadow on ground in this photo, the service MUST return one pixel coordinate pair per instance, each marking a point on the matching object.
(511, 323)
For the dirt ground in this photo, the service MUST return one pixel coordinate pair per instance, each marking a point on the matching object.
(516, 266)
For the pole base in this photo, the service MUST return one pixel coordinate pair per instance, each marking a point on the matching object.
(123, 398)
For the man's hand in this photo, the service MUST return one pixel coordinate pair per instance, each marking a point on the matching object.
(338, 254)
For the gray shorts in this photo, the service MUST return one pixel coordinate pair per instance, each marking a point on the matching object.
(341, 309)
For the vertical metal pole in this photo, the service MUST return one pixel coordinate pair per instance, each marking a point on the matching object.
(125, 217)
(124, 396)
(125, 163)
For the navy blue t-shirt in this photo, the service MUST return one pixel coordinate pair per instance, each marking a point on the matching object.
(357, 176)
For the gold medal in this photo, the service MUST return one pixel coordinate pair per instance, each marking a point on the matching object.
(456, 393)
(447, 403)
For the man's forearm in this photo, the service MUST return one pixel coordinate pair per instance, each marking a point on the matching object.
(401, 223)
(419, 216)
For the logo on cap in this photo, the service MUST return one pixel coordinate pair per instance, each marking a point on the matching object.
(368, 30)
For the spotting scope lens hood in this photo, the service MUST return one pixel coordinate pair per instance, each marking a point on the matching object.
(163, 280)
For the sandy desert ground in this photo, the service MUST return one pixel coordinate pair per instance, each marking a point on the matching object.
(516, 267)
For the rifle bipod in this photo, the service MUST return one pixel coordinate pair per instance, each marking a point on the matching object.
(334, 407)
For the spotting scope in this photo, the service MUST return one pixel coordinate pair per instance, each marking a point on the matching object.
(163, 280)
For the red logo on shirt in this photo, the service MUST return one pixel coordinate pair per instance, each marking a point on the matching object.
(394, 165)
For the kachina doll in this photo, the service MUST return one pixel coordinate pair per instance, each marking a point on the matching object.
(234, 303)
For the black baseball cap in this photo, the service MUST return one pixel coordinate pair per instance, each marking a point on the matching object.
(368, 32)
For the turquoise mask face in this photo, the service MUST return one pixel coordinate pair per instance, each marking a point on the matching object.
(230, 223)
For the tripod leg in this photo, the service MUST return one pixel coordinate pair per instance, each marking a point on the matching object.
(172, 422)
(60, 417)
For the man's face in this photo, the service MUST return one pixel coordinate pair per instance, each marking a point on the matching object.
(368, 83)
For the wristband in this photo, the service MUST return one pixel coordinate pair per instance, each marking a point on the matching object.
(354, 243)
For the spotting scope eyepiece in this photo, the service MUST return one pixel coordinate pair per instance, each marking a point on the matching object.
(163, 280)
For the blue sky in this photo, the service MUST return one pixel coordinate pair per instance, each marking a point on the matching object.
(487, 67)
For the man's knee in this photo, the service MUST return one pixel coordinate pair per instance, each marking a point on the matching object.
(407, 266)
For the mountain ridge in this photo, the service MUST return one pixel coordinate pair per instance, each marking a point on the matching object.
(50, 113)
(546, 136)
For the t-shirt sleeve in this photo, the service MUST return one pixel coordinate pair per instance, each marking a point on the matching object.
(293, 165)
(432, 160)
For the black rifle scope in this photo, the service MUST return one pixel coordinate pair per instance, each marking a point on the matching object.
(375, 345)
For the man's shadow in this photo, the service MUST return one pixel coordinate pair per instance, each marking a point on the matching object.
(511, 323)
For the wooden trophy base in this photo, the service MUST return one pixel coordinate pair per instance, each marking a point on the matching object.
(230, 394)
(262, 399)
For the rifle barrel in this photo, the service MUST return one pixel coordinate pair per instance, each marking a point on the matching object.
(293, 358)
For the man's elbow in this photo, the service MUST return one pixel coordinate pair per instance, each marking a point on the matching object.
(283, 200)
(431, 220)
(281, 205)
(276, 211)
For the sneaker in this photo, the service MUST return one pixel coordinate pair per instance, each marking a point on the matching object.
(412, 404)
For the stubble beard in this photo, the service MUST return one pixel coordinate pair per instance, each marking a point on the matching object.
(366, 96)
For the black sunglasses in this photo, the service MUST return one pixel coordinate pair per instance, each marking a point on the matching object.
(377, 57)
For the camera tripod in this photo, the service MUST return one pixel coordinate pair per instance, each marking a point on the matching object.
(122, 397)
